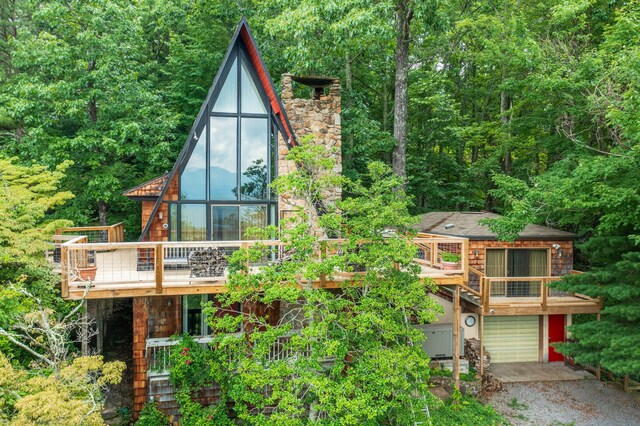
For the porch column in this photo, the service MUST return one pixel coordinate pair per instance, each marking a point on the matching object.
(456, 336)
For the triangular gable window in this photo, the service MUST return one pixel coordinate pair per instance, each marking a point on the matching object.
(228, 98)
(226, 173)
(250, 99)
(195, 171)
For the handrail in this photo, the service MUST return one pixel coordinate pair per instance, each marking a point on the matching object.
(476, 271)
(65, 265)
(114, 233)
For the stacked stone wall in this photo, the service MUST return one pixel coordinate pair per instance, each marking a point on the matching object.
(319, 118)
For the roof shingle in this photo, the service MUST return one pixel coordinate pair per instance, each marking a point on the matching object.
(467, 225)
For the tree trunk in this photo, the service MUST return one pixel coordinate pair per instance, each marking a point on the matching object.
(102, 212)
(404, 14)
(348, 79)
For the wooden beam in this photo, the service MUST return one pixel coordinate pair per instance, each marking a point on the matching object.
(544, 290)
(456, 337)
(159, 267)
(536, 309)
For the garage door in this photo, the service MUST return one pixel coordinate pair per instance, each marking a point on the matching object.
(512, 339)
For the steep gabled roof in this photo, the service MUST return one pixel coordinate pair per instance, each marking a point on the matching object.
(149, 189)
(241, 35)
(467, 225)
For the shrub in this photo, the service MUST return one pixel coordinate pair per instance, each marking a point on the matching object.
(151, 416)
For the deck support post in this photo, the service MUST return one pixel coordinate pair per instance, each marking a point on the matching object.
(159, 267)
(85, 329)
(456, 337)
(481, 338)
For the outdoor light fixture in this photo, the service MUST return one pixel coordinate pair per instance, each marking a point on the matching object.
(475, 254)
(557, 249)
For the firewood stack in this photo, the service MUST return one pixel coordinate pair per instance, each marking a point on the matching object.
(210, 262)
(472, 353)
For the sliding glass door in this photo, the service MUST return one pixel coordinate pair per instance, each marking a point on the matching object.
(517, 263)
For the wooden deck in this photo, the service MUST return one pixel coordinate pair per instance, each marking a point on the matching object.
(161, 269)
(154, 269)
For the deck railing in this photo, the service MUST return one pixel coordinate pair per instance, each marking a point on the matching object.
(163, 265)
(432, 247)
(158, 351)
(91, 234)
(95, 234)
(514, 291)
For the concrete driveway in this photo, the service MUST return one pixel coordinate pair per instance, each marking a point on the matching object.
(516, 372)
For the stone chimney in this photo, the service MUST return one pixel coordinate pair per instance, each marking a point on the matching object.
(318, 116)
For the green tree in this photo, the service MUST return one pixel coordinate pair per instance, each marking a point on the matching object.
(347, 355)
(79, 90)
(594, 192)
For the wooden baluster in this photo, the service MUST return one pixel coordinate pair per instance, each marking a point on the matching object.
(544, 293)
(434, 256)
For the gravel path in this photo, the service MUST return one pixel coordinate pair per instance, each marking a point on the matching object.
(579, 403)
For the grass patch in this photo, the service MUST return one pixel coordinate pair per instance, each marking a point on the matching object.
(517, 405)
(466, 411)
(465, 377)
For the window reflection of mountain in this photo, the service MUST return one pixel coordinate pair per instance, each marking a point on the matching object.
(255, 182)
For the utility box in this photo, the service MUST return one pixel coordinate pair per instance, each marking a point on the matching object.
(439, 343)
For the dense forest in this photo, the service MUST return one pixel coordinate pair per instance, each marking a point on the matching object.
(527, 108)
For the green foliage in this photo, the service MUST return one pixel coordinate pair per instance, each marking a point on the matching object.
(611, 341)
(72, 396)
(450, 257)
(151, 416)
(26, 194)
(517, 405)
(348, 355)
(188, 362)
(466, 411)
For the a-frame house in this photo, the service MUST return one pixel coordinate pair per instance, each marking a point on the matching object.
(198, 213)
(229, 157)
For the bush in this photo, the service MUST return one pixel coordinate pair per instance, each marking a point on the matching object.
(151, 416)
(466, 411)
(450, 257)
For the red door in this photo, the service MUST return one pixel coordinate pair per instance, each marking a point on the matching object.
(556, 334)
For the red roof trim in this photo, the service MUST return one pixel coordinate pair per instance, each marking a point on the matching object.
(264, 79)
